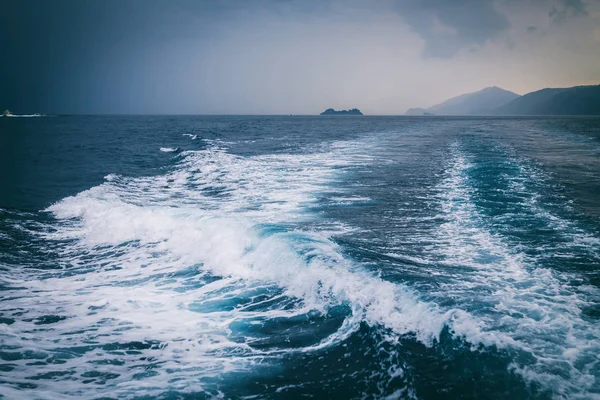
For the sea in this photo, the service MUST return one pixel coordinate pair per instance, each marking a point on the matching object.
(292, 257)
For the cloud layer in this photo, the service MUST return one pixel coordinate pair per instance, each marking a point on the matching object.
(287, 56)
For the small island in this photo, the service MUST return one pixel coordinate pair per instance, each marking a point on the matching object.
(331, 111)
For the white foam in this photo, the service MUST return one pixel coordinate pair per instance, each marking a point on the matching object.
(195, 232)
(522, 305)
(124, 244)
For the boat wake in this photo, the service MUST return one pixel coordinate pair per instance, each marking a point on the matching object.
(222, 265)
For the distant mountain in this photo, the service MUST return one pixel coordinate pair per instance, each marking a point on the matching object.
(481, 102)
(331, 111)
(476, 103)
(578, 100)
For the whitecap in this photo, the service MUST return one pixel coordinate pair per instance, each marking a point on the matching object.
(169, 149)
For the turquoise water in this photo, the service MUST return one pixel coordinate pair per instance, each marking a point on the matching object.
(288, 257)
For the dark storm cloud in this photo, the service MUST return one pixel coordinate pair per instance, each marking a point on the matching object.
(76, 54)
(68, 56)
(450, 26)
(46, 44)
(565, 8)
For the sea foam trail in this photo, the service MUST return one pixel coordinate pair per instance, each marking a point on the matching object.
(170, 265)
(535, 307)
(178, 266)
(307, 264)
(529, 184)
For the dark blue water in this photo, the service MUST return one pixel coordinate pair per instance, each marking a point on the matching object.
(289, 257)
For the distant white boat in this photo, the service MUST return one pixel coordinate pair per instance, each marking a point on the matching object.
(7, 113)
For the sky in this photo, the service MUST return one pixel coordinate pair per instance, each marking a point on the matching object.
(286, 56)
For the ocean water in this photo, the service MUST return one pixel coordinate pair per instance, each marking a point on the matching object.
(290, 257)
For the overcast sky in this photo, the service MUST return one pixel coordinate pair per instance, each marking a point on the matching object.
(286, 56)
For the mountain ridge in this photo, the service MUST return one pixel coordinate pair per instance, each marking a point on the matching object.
(576, 100)
(475, 103)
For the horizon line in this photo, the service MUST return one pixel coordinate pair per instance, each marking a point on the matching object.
(299, 115)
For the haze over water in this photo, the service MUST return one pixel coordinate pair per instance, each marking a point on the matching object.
(280, 257)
